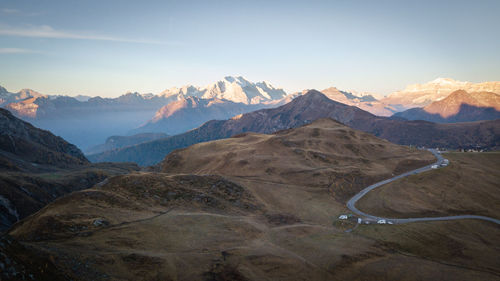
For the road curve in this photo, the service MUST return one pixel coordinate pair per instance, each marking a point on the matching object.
(351, 204)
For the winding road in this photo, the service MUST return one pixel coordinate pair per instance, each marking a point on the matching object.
(351, 204)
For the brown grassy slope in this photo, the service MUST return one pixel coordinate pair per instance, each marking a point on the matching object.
(184, 227)
(469, 185)
(24, 193)
(322, 154)
(449, 250)
(250, 224)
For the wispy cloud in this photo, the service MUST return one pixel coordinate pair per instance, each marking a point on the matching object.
(45, 31)
(10, 11)
(15, 51)
(16, 12)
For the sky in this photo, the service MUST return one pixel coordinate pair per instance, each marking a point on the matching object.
(108, 48)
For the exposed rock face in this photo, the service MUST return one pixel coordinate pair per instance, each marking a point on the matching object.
(459, 106)
(305, 109)
(419, 95)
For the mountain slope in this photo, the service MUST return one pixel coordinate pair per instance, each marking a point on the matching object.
(36, 167)
(307, 108)
(419, 95)
(459, 106)
(256, 207)
(115, 142)
(366, 102)
(300, 155)
(246, 221)
(19, 139)
(6, 97)
(190, 112)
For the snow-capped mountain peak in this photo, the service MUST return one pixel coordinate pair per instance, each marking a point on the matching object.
(232, 88)
(445, 81)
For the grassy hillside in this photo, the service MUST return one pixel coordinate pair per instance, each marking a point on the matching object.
(212, 216)
(469, 185)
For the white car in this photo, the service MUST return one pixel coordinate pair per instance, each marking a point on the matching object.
(381, 221)
(342, 217)
(390, 222)
(434, 166)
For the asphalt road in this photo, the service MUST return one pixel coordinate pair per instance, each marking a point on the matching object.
(351, 204)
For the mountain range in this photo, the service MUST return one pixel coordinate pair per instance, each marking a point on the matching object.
(87, 122)
(190, 112)
(420, 95)
(235, 89)
(459, 106)
(304, 109)
(236, 204)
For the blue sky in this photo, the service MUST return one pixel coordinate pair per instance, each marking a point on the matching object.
(110, 47)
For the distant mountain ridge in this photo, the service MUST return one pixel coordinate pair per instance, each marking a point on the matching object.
(305, 109)
(88, 121)
(420, 95)
(190, 112)
(366, 102)
(459, 106)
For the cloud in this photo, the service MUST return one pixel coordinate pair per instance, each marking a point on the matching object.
(10, 11)
(15, 51)
(17, 12)
(45, 31)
